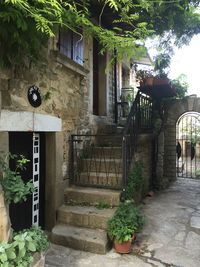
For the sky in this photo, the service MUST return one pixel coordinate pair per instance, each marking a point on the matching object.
(187, 61)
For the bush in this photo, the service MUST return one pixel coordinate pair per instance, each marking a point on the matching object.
(135, 181)
(19, 251)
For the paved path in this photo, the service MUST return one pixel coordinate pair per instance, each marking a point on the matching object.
(171, 237)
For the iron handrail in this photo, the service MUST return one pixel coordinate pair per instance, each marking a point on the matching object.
(139, 118)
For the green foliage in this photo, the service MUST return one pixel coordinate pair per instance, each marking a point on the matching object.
(15, 189)
(135, 181)
(180, 85)
(25, 25)
(162, 63)
(126, 220)
(19, 251)
(197, 173)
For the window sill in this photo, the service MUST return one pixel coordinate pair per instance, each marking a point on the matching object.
(70, 64)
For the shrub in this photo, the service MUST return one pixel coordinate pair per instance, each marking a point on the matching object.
(19, 251)
(126, 220)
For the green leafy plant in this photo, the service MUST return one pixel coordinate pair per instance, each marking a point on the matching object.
(126, 221)
(130, 21)
(197, 173)
(181, 86)
(102, 205)
(142, 75)
(135, 181)
(15, 189)
(19, 251)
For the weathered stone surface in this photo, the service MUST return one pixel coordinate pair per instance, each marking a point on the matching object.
(38, 260)
(80, 238)
(5, 227)
(195, 222)
(85, 216)
(58, 256)
(3, 84)
(92, 196)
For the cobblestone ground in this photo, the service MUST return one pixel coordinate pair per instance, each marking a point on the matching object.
(171, 237)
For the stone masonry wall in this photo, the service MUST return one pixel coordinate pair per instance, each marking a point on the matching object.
(64, 88)
(144, 154)
(173, 110)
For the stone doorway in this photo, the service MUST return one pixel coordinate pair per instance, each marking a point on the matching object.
(188, 145)
(32, 147)
(49, 129)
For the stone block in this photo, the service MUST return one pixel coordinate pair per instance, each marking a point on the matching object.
(85, 216)
(92, 195)
(90, 240)
(3, 84)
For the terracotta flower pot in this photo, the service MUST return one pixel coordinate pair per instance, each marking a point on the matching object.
(123, 248)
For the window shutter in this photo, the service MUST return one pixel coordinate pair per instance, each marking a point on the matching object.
(78, 48)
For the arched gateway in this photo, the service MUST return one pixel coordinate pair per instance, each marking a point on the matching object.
(178, 139)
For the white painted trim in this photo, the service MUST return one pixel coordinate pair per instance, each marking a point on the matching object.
(24, 121)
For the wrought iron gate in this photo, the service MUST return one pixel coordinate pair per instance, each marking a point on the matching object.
(188, 146)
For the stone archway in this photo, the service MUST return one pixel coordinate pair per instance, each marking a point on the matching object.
(173, 111)
(188, 145)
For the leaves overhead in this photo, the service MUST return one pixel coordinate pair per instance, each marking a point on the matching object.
(26, 25)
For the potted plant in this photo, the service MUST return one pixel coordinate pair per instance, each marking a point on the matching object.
(122, 227)
(145, 77)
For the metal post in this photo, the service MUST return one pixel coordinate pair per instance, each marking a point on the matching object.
(115, 87)
(72, 159)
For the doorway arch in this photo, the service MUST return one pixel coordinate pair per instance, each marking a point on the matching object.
(174, 109)
(188, 145)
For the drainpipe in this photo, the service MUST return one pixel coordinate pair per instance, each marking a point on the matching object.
(115, 86)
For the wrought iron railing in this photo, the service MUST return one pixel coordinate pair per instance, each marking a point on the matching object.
(127, 97)
(104, 160)
(96, 160)
(139, 120)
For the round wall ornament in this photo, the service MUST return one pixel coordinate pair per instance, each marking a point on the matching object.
(34, 96)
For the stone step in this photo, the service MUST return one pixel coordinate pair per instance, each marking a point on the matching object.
(85, 216)
(101, 179)
(109, 140)
(81, 195)
(107, 152)
(122, 122)
(102, 165)
(91, 240)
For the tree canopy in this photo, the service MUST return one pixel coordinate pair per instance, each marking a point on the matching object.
(123, 25)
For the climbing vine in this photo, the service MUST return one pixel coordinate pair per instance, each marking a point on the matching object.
(123, 25)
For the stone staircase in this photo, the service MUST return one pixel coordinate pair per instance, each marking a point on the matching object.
(81, 224)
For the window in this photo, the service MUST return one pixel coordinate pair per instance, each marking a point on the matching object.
(71, 45)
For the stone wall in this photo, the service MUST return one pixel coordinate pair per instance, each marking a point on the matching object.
(64, 88)
(144, 154)
(166, 142)
(5, 229)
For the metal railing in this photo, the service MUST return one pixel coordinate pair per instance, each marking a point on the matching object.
(104, 160)
(96, 161)
(127, 97)
(139, 121)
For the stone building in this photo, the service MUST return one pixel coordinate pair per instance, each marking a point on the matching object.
(69, 91)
